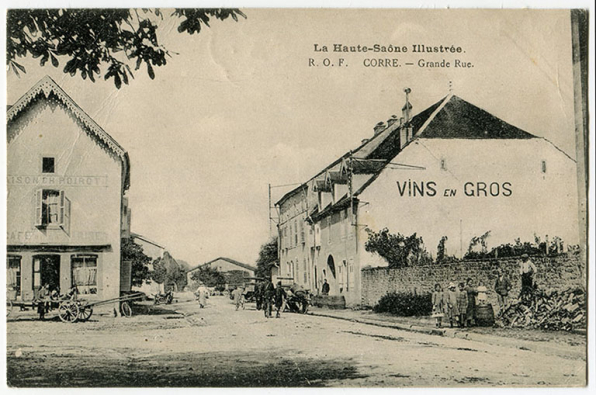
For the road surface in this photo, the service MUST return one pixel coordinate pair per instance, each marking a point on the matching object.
(181, 345)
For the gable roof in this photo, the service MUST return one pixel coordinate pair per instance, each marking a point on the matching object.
(450, 118)
(462, 120)
(232, 261)
(47, 88)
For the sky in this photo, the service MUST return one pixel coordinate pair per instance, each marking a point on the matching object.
(238, 107)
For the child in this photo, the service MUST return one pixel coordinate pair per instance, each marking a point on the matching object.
(462, 304)
(438, 304)
(451, 301)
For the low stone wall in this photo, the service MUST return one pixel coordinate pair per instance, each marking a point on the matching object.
(554, 273)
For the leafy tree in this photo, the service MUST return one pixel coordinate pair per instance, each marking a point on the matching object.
(209, 276)
(267, 258)
(89, 40)
(398, 250)
(167, 271)
(133, 253)
(235, 277)
(159, 271)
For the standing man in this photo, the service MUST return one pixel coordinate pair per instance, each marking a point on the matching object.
(527, 270)
(325, 290)
(238, 295)
(42, 294)
(502, 288)
(202, 294)
(259, 295)
(280, 299)
(268, 295)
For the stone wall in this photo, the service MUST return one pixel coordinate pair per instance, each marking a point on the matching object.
(554, 273)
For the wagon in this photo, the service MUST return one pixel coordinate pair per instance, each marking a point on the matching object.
(73, 310)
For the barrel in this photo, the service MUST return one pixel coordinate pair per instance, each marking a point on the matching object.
(485, 316)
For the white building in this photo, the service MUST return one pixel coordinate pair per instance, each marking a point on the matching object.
(66, 183)
(452, 170)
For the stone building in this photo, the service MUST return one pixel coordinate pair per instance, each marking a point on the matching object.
(453, 170)
(66, 209)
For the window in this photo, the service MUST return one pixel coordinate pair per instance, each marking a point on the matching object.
(13, 274)
(52, 209)
(48, 165)
(84, 273)
(544, 166)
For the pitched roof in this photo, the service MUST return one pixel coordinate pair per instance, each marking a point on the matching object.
(449, 118)
(462, 120)
(48, 88)
(232, 261)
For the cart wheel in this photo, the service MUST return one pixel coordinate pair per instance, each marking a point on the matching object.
(125, 309)
(85, 312)
(9, 307)
(68, 312)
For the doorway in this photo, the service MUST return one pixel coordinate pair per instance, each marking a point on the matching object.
(46, 270)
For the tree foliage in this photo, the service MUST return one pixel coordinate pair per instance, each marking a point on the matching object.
(209, 276)
(398, 250)
(133, 253)
(267, 258)
(93, 42)
(167, 271)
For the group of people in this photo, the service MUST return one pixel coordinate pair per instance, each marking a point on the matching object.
(458, 303)
(46, 298)
(268, 296)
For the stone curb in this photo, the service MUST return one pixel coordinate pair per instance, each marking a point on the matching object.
(526, 345)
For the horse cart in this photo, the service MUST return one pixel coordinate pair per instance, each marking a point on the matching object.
(73, 310)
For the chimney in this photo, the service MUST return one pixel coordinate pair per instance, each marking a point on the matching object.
(379, 127)
(392, 120)
(407, 108)
(403, 136)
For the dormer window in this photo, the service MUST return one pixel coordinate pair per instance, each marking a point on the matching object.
(48, 164)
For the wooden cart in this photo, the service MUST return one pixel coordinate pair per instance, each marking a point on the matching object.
(73, 310)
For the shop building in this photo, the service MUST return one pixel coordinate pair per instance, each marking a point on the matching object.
(66, 210)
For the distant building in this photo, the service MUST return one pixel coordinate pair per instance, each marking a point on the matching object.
(66, 183)
(226, 266)
(452, 170)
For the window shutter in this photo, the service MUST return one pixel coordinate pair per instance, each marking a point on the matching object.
(38, 207)
(61, 211)
(66, 225)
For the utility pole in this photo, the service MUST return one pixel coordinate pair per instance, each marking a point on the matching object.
(270, 219)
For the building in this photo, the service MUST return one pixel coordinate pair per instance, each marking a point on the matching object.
(231, 269)
(452, 170)
(65, 207)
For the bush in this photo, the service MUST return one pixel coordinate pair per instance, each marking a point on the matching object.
(404, 304)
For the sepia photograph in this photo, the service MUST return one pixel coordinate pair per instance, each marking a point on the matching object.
(297, 197)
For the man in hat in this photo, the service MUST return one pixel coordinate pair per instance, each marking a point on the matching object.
(502, 288)
(280, 299)
(527, 270)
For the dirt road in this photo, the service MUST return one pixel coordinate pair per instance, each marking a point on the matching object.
(181, 345)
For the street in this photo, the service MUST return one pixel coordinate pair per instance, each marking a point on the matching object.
(180, 345)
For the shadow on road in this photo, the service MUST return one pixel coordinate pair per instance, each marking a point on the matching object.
(181, 370)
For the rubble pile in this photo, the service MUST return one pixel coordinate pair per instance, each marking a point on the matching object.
(553, 310)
